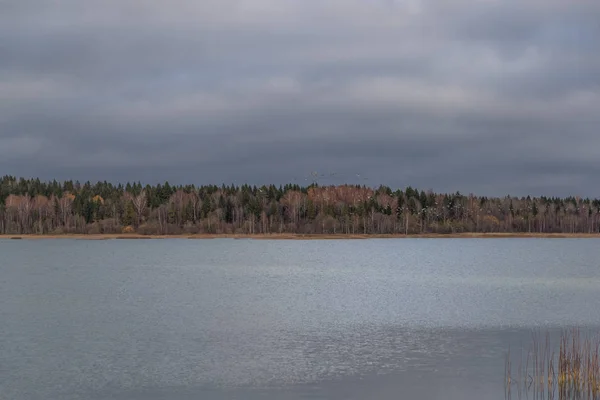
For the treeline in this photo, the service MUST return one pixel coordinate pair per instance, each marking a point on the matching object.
(30, 206)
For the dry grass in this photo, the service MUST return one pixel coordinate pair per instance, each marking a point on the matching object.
(572, 373)
(296, 236)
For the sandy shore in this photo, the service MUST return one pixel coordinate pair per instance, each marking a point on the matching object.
(289, 236)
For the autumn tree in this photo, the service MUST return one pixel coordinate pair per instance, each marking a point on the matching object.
(34, 206)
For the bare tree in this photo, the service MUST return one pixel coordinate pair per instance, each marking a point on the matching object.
(66, 207)
(139, 203)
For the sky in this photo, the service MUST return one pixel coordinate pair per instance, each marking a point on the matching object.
(491, 97)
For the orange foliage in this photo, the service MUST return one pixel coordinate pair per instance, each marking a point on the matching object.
(98, 199)
(331, 195)
(40, 202)
(13, 201)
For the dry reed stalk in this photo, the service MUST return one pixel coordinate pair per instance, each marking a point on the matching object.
(573, 373)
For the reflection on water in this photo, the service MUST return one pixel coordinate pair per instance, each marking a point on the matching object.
(226, 319)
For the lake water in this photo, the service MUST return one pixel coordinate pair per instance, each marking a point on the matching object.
(258, 319)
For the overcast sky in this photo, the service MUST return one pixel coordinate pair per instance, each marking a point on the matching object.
(492, 97)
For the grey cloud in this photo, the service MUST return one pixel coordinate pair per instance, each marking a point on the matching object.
(490, 97)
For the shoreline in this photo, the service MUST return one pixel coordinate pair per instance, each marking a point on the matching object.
(297, 236)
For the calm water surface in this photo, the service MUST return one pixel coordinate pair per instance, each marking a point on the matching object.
(245, 319)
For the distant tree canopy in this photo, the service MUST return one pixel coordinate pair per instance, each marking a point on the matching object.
(30, 206)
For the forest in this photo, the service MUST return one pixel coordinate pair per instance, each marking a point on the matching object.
(31, 206)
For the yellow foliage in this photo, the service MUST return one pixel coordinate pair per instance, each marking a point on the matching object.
(491, 219)
(128, 229)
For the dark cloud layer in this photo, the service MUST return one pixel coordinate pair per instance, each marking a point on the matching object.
(488, 96)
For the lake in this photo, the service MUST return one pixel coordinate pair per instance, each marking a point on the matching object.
(261, 319)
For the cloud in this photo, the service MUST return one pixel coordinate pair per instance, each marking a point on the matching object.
(486, 96)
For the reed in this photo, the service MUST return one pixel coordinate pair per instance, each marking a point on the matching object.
(572, 373)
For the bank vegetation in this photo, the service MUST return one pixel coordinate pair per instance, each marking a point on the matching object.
(34, 207)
